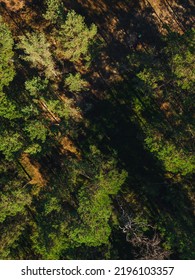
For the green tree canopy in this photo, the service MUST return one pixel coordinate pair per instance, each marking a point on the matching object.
(36, 50)
(8, 109)
(75, 82)
(95, 204)
(10, 144)
(7, 71)
(53, 10)
(75, 37)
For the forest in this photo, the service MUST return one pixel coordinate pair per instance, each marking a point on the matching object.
(97, 130)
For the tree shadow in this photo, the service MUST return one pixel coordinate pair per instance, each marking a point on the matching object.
(112, 131)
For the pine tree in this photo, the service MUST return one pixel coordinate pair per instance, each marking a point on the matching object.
(37, 51)
(75, 83)
(75, 37)
(53, 10)
(7, 71)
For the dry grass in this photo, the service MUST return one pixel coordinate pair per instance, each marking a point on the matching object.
(95, 6)
(67, 146)
(33, 168)
(165, 13)
(14, 5)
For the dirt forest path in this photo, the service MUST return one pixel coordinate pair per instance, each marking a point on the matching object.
(170, 13)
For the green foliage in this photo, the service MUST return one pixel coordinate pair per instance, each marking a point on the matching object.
(151, 77)
(49, 241)
(75, 82)
(95, 206)
(36, 131)
(36, 85)
(14, 198)
(12, 202)
(7, 71)
(182, 59)
(10, 234)
(8, 109)
(53, 10)
(165, 87)
(37, 134)
(36, 50)
(184, 69)
(52, 205)
(75, 37)
(62, 109)
(175, 160)
(10, 144)
(29, 111)
(70, 175)
(33, 149)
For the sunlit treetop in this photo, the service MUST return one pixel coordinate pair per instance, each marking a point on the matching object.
(76, 37)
